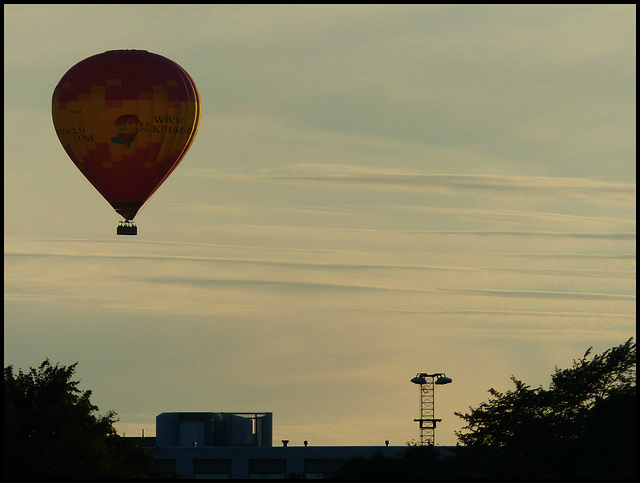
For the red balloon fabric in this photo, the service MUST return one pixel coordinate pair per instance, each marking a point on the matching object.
(126, 118)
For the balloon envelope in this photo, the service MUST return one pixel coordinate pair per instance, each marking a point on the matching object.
(126, 118)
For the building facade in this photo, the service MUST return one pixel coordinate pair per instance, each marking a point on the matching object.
(241, 462)
(204, 445)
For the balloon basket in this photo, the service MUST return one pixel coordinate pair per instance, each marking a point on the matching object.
(127, 228)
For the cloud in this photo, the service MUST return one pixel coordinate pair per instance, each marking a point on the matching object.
(541, 294)
(403, 179)
(312, 258)
(532, 218)
(519, 185)
(226, 280)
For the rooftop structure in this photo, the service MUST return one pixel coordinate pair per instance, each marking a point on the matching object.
(239, 446)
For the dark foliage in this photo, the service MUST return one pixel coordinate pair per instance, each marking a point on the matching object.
(583, 426)
(50, 430)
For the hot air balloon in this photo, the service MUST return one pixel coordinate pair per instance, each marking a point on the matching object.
(126, 118)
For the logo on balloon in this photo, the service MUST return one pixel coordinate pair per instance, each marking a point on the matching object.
(127, 127)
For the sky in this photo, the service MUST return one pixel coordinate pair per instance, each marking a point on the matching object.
(374, 191)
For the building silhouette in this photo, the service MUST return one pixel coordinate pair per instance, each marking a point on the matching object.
(207, 445)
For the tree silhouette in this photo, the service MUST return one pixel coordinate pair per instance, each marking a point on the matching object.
(582, 426)
(50, 430)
